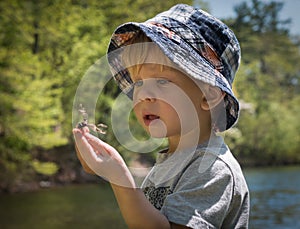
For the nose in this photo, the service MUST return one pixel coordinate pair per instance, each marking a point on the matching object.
(145, 92)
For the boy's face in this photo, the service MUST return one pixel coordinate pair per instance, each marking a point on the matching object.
(167, 103)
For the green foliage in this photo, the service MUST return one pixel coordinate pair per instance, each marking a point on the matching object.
(45, 168)
(47, 46)
(268, 83)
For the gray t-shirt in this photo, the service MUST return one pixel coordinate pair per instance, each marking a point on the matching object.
(200, 188)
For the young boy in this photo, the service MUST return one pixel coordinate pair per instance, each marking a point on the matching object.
(177, 68)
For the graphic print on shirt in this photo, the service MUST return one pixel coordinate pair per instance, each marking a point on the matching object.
(157, 196)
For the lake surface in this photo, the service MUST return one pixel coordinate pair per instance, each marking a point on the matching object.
(275, 197)
(275, 203)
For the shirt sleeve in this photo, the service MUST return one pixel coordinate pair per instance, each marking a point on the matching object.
(201, 199)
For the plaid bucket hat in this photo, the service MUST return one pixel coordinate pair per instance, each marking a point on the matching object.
(197, 42)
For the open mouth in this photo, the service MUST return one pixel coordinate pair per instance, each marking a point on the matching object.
(148, 118)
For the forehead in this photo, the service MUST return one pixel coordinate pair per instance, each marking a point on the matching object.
(147, 60)
(153, 70)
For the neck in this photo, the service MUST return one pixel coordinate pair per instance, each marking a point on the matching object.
(187, 140)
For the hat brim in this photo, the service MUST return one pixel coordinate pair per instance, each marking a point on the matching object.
(180, 53)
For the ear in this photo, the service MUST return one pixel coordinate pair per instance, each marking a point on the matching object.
(211, 97)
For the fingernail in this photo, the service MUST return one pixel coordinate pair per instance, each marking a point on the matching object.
(77, 133)
(85, 129)
(75, 130)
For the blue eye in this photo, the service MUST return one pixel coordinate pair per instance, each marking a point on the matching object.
(138, 83)
(163, 81)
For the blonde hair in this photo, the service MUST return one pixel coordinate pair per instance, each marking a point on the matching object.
(141, 50)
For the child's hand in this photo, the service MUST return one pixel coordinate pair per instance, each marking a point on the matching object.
(84, 165)
(98, 157)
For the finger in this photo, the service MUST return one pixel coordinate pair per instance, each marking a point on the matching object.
(86, 168)
(99, 146)
(85, 149)
(96, 142)
(76, 130)
(85, 132)
(84, 129)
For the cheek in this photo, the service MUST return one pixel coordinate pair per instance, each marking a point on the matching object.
(137, 111)
(169, 112)
(184, 111)
(182, 105)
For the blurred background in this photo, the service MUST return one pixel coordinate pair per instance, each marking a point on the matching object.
(46, 46)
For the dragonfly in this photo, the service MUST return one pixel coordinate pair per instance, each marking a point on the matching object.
(99, 128)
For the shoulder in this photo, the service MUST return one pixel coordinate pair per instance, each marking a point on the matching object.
(214, 167)
(207, 168)
(216, 157)
(204, 194)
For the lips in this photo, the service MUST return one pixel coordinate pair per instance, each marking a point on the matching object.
(148, 118)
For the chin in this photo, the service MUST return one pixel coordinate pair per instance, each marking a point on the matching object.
(157, 133)
(157, 129)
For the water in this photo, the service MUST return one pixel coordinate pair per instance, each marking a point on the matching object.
(275, 197)
(275, 203)
(73, 207)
